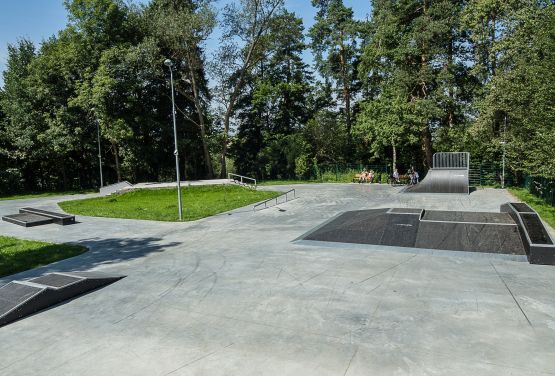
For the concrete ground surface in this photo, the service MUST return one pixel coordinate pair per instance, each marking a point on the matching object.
(233, 295)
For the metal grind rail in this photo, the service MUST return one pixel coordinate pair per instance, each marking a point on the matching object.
(265, 203)
(242, 179)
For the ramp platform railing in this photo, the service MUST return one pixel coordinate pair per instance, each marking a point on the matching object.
(286, 194)
(451, 160)
(243, 180)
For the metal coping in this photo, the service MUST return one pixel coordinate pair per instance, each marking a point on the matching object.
(407, 211)
(451, 160)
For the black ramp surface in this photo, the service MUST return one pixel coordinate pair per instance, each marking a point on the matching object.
(471, 217)
(370, 227)
(534, 226)
(459, 231)
(362, 226)
(56, 280)
(14, 294)
(17, 302)
(401, 230)
(442, 181)
(27, 219)
(469, 237)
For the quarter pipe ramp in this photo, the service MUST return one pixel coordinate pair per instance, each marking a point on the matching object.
(449, 174)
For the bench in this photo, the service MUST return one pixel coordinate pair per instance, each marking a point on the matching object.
(58, 218)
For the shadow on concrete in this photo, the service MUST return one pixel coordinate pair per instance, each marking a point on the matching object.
(101, 252)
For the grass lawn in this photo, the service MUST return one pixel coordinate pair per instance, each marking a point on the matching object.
(287, 182)
(41, 194)
(546, 211)
(17, 255)
(161, 204)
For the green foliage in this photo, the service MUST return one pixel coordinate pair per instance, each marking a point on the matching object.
(417, 77)
(545, 210)
(335, 39)
(17, 255)
(161, 204)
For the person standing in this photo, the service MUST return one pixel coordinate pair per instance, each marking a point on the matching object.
(396, 176)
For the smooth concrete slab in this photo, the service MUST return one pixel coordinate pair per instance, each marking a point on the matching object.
(232, 295)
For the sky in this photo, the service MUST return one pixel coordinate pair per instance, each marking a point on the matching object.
(38, 20)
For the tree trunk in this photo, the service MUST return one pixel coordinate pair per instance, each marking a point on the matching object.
(346, 89)
(450, 109)
(64, 177)
(223, 168)
(202, 125)
(394, 164)
(426, 136)
(493, 57)
(116, 159)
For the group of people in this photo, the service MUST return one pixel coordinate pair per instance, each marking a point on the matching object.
(411, 173)
(366, 176)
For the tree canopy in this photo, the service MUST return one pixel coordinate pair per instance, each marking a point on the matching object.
(276, 99)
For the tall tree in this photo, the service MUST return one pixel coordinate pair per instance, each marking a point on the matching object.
(182, 27)
(335, 44)
(415, 48)
(275, 104)
(247, 27)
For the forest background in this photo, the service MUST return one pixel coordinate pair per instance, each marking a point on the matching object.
(416, 77)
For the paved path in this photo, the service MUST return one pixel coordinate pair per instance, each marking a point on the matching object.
(232, 295)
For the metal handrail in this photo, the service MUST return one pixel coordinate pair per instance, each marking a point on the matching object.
(241, 179)
(265, 203)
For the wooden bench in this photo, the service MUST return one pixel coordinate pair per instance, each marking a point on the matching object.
(58, 218)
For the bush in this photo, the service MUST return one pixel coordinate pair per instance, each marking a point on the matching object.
(302, 167)
(11, 181)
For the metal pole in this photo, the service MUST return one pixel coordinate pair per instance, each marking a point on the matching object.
(176, 152)
(504, 143)
(99, 153)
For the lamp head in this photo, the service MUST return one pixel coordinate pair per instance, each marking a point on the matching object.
(168, 63)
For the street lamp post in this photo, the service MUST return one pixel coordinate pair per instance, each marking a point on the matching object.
(99, 148)
(504, 146)
(169, 64)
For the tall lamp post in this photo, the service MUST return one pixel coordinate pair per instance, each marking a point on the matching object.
(504, 142)
(99, 149)
(169, 64)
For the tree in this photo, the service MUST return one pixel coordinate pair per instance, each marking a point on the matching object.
(249, 22)
(275, 104)
(182, 27)
(517, 104)
(334, 42)
(415, 49)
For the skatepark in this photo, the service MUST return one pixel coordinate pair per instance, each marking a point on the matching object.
(238, 293)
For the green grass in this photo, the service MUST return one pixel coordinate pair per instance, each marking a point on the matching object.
(161, 204)
(41, 194)
(546, 211)
(288, 182)
(17, 255)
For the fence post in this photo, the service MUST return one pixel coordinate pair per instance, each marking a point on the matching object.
(480, 174)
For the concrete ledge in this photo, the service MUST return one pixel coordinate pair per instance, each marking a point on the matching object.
(535, 237)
